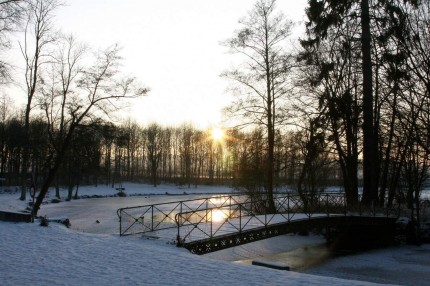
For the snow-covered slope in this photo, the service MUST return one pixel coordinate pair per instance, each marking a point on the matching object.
(54, 255)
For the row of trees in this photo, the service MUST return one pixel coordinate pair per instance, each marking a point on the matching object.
(103, 153)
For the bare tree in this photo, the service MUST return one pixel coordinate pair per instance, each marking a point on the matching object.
(329, 78)
(134, 134)
(186, 153)
(416, 42)
(64, 69)
(11, 14)
(38, 35)
(154, 150)
(5, 104)
(263, 78)
(96, 92)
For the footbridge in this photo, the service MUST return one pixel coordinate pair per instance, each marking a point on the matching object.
(209, 224)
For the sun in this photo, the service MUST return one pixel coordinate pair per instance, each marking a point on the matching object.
(217, 134)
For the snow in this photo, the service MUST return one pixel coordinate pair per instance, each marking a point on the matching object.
(406, 265)
(55, 255)
(33, 255)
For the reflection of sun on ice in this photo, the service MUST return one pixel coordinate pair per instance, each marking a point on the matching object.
(217, 201)
(217, 134)
(218, 215)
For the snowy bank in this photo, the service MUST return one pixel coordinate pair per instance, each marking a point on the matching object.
(55, 255)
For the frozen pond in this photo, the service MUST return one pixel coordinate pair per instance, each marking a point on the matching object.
(100, 215)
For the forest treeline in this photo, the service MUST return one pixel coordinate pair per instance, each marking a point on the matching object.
(105, 153)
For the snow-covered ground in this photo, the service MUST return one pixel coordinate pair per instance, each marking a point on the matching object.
(55, 255)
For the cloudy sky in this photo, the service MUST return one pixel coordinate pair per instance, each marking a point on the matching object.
(171, 46)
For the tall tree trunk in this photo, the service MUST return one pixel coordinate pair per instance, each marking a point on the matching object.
(388, 150)
(271, 141)
(52, 172)
(24, 168)
(370, 142)
(45, 186)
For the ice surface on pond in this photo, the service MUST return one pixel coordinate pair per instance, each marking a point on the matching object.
(100, 215)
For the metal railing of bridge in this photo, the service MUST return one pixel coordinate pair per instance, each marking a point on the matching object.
(237, 217)
(205, 218)
(156, 217)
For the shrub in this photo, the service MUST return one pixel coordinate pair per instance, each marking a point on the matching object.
(121, 194)
(44, 221)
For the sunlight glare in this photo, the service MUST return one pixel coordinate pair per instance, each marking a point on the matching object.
(217, 134)
(217, 201)
(218, 215)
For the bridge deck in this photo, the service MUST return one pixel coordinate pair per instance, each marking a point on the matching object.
(214, 229)
(232, 239)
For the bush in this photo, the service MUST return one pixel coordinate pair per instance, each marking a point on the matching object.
(121, 194)
(66, 222)
(44, 221)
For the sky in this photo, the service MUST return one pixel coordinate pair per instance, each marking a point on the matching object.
(171, 46)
